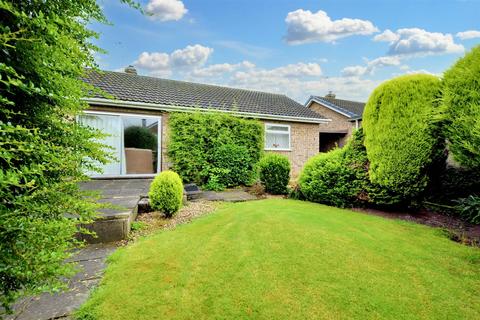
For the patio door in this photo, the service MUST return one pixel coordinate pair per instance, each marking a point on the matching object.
(112, 126)
(134, 140)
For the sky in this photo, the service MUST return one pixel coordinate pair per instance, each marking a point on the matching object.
(298, 48)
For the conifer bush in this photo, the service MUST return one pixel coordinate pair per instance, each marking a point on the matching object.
(461, 102)
(402, 138)
(166, 193)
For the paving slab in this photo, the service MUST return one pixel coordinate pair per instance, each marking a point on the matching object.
(228, 196)
(91, 261)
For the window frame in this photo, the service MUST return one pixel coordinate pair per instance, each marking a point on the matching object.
(159, 146)
(289, 132)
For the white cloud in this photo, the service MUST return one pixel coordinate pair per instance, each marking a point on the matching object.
(297, 70)
(415, 41)
(163, 64)
(387, 35)
(303, 26)
(166, 10)
(371, 66)
(469, 34)
(190, 56)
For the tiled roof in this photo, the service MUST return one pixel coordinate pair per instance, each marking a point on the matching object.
(352, 109)
(135, 88)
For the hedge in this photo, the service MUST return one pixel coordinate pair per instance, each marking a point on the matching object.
(401, 137)
(274, 172)
(461, 100)
(206, 146)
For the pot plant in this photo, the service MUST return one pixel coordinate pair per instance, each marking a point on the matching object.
(140, 145)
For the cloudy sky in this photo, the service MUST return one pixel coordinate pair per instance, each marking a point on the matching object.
(299, 48)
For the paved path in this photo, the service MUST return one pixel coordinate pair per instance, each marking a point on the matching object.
(59, 306)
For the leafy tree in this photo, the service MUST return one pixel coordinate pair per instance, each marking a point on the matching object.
(461, 100)
(45, 47)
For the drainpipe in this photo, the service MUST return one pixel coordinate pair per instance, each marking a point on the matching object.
(356, 124)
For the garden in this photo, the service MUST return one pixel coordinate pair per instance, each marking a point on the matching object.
(288, 258)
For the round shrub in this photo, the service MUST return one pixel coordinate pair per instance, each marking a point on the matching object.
(401, 137)
(274, 170)
(166, 193)
(140, 137)
(327, 179)
(461, 101)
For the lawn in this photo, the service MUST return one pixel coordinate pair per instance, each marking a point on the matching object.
(286, 259)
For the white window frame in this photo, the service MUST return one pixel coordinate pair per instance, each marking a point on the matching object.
(282, 132)
(159, 150)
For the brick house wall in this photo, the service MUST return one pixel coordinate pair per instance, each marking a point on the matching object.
(339, 122)
(304, 137)
(304, 143)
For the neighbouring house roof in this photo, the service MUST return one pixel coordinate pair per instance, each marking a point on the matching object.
(351, 109)
(138, 91)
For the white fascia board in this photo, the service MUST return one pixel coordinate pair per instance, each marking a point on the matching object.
(162, 107)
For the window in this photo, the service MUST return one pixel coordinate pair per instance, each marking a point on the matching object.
(277, 137)
(134, 140)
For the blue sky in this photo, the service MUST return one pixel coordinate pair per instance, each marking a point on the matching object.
(299, 48)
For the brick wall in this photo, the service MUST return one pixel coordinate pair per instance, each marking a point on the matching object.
(304, 144)
(339, 122)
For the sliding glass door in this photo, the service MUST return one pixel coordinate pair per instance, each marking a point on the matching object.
(133, 139)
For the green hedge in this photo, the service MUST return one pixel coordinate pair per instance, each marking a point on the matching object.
(402, 138)
(461, 100)
(274, 171)
(166, 193)
(213, 146)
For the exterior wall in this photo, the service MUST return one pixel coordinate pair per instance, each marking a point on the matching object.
(339, 122)
(304, 143)
(304, 137)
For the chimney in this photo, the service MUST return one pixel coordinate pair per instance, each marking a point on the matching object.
(330, 94)
(131, 70)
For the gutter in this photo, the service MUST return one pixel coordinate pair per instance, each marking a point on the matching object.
(163, 107)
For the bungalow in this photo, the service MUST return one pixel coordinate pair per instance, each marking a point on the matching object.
(346, 116)
(146, 102)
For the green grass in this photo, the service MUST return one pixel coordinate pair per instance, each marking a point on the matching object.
(286, 259)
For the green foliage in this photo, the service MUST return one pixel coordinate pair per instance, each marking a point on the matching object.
(44, 48)
(214, 181)
(402, 138)
(274, 172)
(340, 178)
(138, 225)
(166, 193)
(140, 137)
(326, 179)
(202, 143)
(469, 209)
(461, 101)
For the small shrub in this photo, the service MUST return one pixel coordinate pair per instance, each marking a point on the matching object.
(138, 225)
(274, 170)
(461, 101)
(140, 137)
(214, 182)
(166, 193)
(469, 209)
(402, 138)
